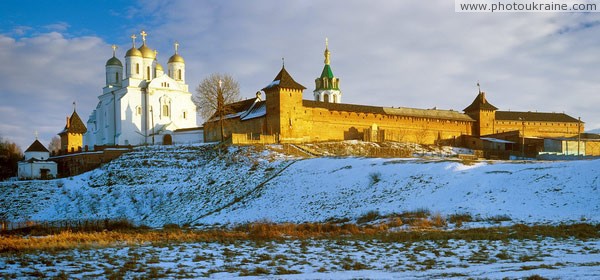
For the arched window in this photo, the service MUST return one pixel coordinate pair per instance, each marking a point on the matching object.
(184, 115)
(137, 68)
(138, 110)
(326, 98)
(179, 74)
(335, 99)
(148, 72)
(117, 77)
(165, 110)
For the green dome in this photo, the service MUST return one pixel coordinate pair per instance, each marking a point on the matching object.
(114, 62)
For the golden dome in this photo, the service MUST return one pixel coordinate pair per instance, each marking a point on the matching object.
(146, 52)
(159, 67)
(133, 52)
(114, 61)
(176, 58)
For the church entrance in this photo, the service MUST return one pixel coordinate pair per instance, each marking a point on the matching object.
(167, 139)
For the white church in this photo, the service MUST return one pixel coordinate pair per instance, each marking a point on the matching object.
(141, 104)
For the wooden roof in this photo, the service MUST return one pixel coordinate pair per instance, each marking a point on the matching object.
(74, 125)
(36, 146)
(534, 117)
(480, 103)
(409, 112)
(284, 80)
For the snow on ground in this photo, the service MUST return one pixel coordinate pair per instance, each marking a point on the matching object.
(320, 259)
(322, 188)
(205, 185)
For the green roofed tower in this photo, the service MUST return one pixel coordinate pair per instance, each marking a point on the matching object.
(327, 87)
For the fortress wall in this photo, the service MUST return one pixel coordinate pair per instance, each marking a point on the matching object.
(341, 125)
(539, 129)
(212, 130)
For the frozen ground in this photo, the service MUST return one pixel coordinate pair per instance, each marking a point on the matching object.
(202, 186)
(321, 259)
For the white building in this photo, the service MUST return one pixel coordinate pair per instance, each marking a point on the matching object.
(141, 104)
(36, 164)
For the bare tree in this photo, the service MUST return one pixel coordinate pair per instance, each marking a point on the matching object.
(10, 154)
(54, 145)
(211, 98)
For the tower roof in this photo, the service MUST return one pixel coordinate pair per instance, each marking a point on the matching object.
(480, 103)
(327, 73)
(74, 125)
(36, 146)
(176, 57)
(284, 80)
(114, 61)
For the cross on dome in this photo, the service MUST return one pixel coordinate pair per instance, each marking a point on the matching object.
(176, 46)
(133, 39)
(144, 34)
(327, 53)
(114, 48)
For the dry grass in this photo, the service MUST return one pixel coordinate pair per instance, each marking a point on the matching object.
(265, 231)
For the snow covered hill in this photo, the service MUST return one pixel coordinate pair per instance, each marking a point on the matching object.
(204, 185)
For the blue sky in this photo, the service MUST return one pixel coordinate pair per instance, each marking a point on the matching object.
(394, 53)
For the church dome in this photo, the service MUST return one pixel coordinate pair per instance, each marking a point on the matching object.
(133, 52)
(176, 58)
(159, 67)
(114, 61)
(146, 52)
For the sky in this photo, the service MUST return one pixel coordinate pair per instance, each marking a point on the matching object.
(411, 53)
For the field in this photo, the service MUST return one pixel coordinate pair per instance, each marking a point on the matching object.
(310, 251)
(258, 211)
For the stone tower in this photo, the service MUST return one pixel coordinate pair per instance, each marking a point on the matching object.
(71, 138)
(483, 113)
(284, 106)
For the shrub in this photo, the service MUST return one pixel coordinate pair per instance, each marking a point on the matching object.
(368, 217)
(374, 178)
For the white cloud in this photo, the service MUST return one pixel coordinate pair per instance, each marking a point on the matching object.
(396, 53)
(40, 78)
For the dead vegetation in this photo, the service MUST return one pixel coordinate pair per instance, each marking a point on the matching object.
(411, 226)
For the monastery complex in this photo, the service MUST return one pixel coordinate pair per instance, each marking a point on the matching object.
(141, 104)
(283, 116)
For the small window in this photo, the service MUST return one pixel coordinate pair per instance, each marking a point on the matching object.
(117, 76)
(184, 115)
(138, 110)
(137, 68)
(165, 110)
(148, 72)
(179, 74)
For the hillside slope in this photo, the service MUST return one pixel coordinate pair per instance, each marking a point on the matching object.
(202, 185)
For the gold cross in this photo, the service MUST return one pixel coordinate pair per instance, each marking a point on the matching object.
(133, 39)
(176, 46)
(114, 47)
(144, 34)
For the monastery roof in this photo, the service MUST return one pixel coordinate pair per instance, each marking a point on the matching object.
(327, 73)
(236, 109)
(74, 125)
(534, 116)
(409, 112)
(480, 103)
(36, 146)
(284, 80)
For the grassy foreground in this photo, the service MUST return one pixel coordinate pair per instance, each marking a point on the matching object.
(57, 240)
